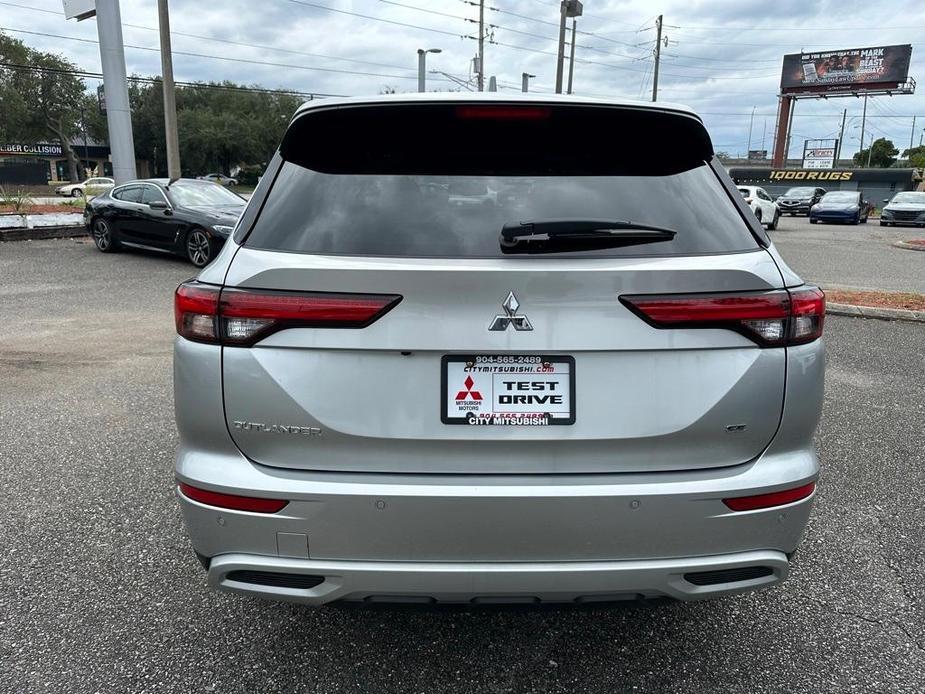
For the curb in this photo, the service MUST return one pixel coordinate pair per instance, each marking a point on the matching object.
(40, 233)
(909, 246)
(871, 312)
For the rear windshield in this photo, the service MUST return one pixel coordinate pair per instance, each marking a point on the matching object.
(843, 196)
(441, 180)
(462, 216)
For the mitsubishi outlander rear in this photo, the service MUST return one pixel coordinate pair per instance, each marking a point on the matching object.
(463, 348)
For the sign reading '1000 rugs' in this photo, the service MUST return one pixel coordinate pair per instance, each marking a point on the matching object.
(31, 150)
(803, 175)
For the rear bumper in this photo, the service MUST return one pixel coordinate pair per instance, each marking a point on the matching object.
(460, 539)
(463, 582)
(834, 216)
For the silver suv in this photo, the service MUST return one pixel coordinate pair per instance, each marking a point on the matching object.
(475, 349)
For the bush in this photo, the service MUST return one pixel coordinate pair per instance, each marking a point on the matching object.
(249, 175)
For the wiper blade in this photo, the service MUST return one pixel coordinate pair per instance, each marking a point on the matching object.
(562, 235)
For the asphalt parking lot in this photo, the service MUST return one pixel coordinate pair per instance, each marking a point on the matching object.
(100, 592)
(848, 256)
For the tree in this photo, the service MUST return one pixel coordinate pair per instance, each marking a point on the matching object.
(916, 157)
(882, 154)
(44, 101)
(220, 125)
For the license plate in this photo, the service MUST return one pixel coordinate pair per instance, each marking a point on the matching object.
(507, 389)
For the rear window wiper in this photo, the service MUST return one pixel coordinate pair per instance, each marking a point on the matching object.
(563, 235)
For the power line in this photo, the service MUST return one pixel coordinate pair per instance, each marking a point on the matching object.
(220, 57)
(155, 80)
(229, 41)
(373, 18)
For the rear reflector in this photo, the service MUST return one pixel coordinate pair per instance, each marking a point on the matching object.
(232, 501)
(771, 319)
(788, 496)
(241, 317)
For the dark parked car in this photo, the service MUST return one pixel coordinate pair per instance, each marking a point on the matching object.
(843, 206)
(190, 218)
(905, 208)
(799, 200)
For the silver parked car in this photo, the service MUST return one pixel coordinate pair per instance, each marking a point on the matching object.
(600, 382)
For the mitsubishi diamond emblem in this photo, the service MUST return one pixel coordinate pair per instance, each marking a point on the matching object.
(510, 306)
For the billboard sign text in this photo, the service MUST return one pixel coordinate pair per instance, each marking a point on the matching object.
(846, 70)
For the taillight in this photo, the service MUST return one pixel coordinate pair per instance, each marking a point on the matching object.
(787, 496)
(241, 317)
(771, 319)
(232, 501)
(194, 309)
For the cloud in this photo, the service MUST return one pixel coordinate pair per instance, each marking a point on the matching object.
(723, 56)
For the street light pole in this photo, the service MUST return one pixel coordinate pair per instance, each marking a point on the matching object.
(751, 122)
(841, 136)
(422, 65)
(863, 119)
(568, 8)
(525, 82)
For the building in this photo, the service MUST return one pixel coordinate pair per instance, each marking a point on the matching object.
(876, 184)
(40, 163)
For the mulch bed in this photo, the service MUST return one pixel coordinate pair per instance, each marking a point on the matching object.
(43, 209)
(904, 300)
(917, 242)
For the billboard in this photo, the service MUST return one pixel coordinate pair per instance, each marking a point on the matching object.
(846, 70)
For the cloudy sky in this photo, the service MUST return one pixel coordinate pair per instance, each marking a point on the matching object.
(723, 56)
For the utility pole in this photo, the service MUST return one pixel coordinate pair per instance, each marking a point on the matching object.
(567, 8)
(870, 149)
(492, 84)
(863, 120)
(841, 136)
(912, 134)
(525, 81)
(481, 45)
(658, 57)
(571, 60)
(751, 121)
(170, 94)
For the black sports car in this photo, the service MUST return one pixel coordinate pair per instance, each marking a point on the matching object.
(188, 217)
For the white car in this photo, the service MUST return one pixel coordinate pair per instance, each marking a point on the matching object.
(92, 186)
(765, 209)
